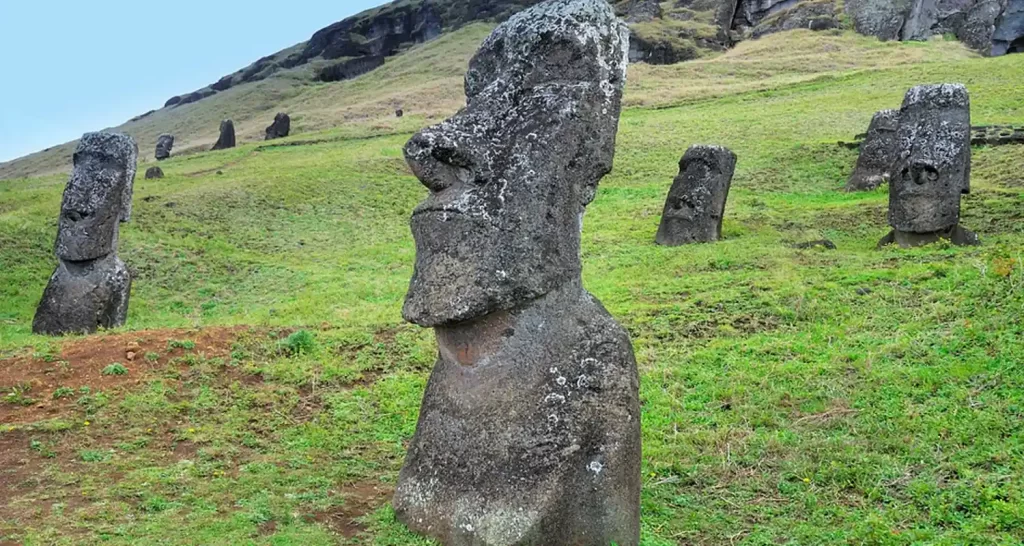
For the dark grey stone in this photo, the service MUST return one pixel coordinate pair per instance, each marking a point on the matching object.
(164, 143)
(933, 167)
(815, 16)
(696, 202)
(529, 432)
(90, 286)
(280, 128)
(227, 136)
(877, 153)
(154, 172)
(399, 113)
(1009, 30)
(883, 19)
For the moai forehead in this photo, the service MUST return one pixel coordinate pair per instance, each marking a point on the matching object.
(696, 201)
(98, 196)
(933, 168)
(509, 175)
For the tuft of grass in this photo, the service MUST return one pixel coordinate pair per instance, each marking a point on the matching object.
(301, 342)
(115, 369)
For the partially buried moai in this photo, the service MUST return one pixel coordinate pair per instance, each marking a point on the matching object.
(90, 286)
(933, 168)
(695, 206)
(227, 136)
(529, 431)
(877, 153)
(280, 128)
(164, 144)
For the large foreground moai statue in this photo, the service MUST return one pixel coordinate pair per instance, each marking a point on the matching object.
(695, 206)
(529, 431)
(877, 153)
(227, 136)
(90, 287)
(932, 169)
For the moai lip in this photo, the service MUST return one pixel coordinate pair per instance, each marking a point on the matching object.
(529, 432)
(877, 153)
(90, 286)
(932, 171)
(695, 207)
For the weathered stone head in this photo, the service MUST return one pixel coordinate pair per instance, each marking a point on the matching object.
(933, 167)
(510, 175)
(877, 153)
(695, 206)
(98, 197)
(164, 144)
(227, 136)
(280, 128)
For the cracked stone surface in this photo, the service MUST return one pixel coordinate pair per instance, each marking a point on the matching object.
(529, 431)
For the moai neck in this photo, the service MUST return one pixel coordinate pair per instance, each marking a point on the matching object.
(476, 342)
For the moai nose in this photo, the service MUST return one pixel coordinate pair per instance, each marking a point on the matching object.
(924, 172)
(438, 160)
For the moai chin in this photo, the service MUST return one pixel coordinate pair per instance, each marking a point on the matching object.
(529, 431)
(877, 153)
(695, 206)
(164, 144)
(933, 168)
(90, 286)
(227, 136)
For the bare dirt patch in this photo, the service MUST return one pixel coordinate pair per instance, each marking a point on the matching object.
(35, 379)
(360, 500)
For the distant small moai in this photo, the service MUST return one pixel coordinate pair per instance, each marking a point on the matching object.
(91, 285)
(227, 136)
(154, 172)
(695, 206)
(164, 143)
(932, 169)
(399, 113)
(877, 153)
(280, 128)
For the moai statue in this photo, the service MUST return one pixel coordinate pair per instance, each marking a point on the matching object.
(91, 285)
(696, 202)
(932, 169)
(280, 128)
(529, 431)
(877, 153)
(164, 143)
(227, 136)
(399, 113)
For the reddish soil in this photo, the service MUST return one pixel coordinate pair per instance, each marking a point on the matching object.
(81, 364)
(360, 500)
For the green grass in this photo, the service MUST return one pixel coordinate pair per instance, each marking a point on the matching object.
(794, 397)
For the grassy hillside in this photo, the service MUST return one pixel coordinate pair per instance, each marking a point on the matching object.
(857, 396)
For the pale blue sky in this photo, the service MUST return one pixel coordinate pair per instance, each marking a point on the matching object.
(72, 66)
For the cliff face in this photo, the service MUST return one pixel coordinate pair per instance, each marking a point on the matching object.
(664, 32)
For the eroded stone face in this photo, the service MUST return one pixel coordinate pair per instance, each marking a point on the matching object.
(509, 175)
(877, 154)
(933, 166)
(164, 144)
(695, 206)
(529, 431)
(90, 286)
(98, 197)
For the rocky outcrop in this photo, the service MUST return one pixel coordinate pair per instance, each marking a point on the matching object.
(1008, 36)
(346, 70)
(819, 15)
(996, 135)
